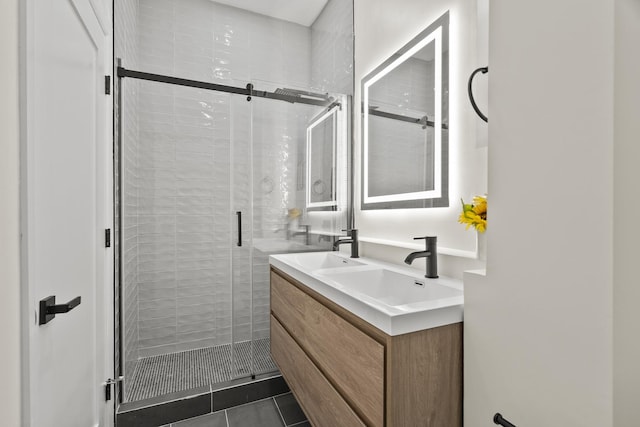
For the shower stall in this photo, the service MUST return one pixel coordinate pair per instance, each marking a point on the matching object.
(215, 110)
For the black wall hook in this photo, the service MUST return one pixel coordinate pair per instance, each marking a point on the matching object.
(482, 70)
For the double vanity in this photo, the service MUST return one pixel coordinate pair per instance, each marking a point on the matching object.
(361, 342)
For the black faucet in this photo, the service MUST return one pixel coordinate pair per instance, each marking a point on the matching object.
(431, 255)
(353, 240)
(305, 233)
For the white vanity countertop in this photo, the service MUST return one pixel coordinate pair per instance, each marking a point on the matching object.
(395, 299)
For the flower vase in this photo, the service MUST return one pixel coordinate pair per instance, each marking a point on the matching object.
(481, 246)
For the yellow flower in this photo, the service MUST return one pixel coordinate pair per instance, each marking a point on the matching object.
(480, 205)
(474, 214)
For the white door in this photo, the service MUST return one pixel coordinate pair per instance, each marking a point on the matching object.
(67, 195)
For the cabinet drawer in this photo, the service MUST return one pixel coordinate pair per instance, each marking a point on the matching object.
(352, 361)
(321, 402)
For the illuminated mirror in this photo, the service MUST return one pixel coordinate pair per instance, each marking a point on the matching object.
(321, 160)
(405, 125)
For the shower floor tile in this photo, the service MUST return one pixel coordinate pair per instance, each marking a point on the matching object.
(168, 373)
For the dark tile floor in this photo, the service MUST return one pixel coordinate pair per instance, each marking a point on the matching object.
(278, 411)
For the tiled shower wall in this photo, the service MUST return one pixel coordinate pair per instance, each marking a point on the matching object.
(332, 48)
(186, 140)
(204, 40)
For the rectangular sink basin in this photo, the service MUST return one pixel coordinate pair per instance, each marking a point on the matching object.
(391, 288)
(322, 260)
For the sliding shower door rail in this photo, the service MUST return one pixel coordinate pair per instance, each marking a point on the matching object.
(248, 91)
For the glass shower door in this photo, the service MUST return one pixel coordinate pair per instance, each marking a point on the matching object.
(268, 197)
(277, 181)
(178, 237)
(282, 220)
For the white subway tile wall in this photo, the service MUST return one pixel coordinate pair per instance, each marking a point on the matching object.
(332, 48)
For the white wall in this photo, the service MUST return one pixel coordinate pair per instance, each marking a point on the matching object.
(381, 28)
(9, 216)
(626, 233)
(538, 327)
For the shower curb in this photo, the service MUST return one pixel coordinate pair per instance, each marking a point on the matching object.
(201, 401)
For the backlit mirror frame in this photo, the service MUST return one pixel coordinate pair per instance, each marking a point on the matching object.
(437, 33)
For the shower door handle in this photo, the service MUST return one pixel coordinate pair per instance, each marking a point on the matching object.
(239, 214)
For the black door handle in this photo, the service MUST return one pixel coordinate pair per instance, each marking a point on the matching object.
(49, 309)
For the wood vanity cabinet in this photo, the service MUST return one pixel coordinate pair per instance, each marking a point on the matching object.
(345, 372)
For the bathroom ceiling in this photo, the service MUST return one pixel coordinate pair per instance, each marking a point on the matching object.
(303, 12)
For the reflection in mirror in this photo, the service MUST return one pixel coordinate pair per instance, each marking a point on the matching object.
(405, 125)
(321, 160)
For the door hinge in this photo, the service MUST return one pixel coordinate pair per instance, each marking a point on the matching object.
(107, 387)
(107, 85)
(107, 238)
